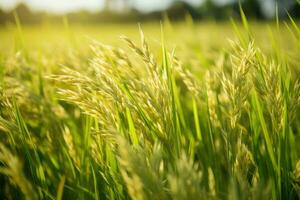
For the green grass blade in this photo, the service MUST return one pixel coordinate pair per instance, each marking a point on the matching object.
(196, 120)
(132, 131)
(60, 189)
(265, 132)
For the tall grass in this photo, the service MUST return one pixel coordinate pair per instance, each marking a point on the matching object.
(128, 124)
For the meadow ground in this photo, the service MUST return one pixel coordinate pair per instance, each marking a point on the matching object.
(116, 111)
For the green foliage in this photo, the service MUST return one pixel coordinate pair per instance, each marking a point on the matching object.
(132, 123)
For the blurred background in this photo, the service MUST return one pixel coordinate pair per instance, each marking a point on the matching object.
(199, 28)
(109, 11)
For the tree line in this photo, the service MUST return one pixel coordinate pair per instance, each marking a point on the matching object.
(176, 11)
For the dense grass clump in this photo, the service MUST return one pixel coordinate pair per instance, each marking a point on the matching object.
(131, 123)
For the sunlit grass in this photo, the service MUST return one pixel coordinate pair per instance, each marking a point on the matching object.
(186, 111)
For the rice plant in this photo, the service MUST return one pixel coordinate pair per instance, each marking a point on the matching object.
(133, 122)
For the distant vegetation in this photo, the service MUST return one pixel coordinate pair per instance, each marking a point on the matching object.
(177, 11)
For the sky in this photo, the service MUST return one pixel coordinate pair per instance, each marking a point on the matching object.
(61, 6)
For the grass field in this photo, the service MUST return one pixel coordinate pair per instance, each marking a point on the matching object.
(173, 111)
